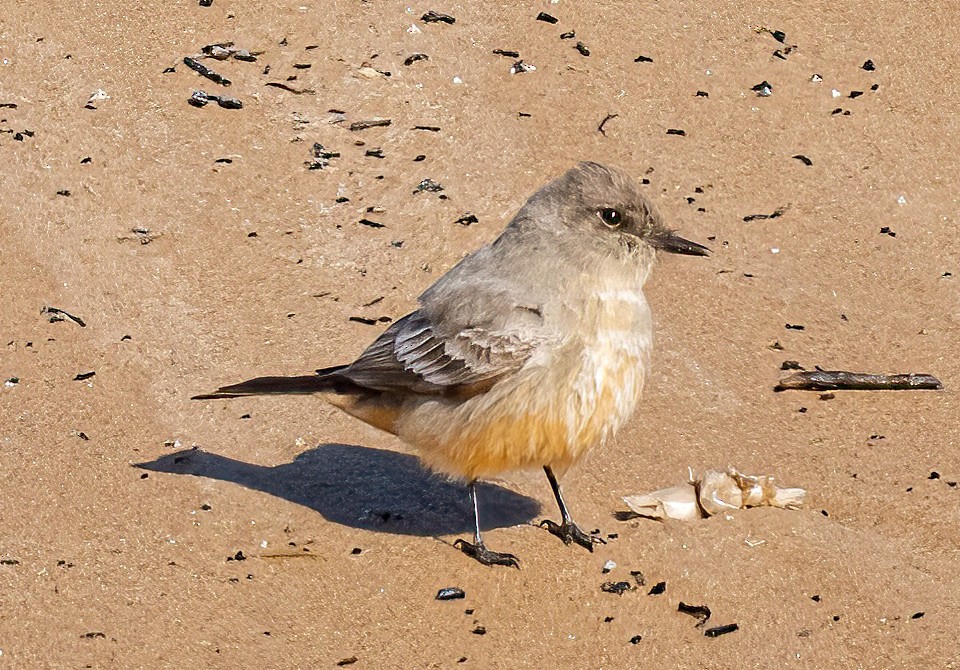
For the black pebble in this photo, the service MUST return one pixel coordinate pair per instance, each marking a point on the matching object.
(803, 159)
(543, 16)
(356, 550)
(437, 17)
(237, 557)
(856, 94)
(917, 615)
(676, 131)
(413, 58)
(451, 593)
(721, 630)
(509, 53)
(636, 639)
(815, 598)
(934, 475)
(791, 326)
(885, 230)
(868, 65)
(618, 588)
(791, 365)
(643, 59)
(467, 219)
(779, 35)
(699, 612)
(568, 35)
(64, 192)
(419, 158)
(658, 589)
(582, 48)
(702, 94)
(479, 630)
(874, 87)
(81, 376)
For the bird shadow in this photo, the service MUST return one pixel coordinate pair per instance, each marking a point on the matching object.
(361, 487)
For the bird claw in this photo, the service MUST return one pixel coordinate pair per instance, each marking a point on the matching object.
(480, 552)
(570, 532)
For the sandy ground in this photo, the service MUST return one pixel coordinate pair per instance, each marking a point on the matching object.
(252, 266)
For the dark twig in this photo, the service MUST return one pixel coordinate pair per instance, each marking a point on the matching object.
(840, 380)
(608, 117)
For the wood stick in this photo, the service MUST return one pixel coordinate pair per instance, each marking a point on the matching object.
(840, 380)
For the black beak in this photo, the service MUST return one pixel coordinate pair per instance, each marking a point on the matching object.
(674, 244)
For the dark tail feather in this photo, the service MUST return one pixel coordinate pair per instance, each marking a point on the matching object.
(303, 385)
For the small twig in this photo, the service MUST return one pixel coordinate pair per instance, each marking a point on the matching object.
(608, 117)
(840, 380)
(57, 314)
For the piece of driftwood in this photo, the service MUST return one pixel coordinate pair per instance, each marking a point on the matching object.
(841, 380)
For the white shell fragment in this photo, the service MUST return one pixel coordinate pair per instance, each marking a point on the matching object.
(715, 492)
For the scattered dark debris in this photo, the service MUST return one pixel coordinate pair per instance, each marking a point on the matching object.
(144, 476)
(413, 58)
(168, 70)
(429, 186)
(64, 192)
(371, 224)
(8, 105)
(803, 159)
(636, 639)
(676, 131)
(721, 630)
(778, 35)
(643, 59)
(885, 230)
(543, 16)
(874, 87)
(226, 161)
(523, 115)
(509, 53)
(827, 396)
(816, 598)
(224, 50)
(350, 660)
(82, 376)
(702, 94)
(419, 158)
(608, 117)
(582, 48)
(934, 475)
(375, 153)
(201, 98)
(303, 66)
(206, 507)
(204, 71)
(617, 588)
(783, 53)
(519, 67)
(56, 314)
(206, 3)
(791, 365)
(763, 89)
(794, 326)
(868, 65)
(18, 136)
(12, 381)
(946, 275)
(437, 17)
(467, 219)
(239, 556)
(94, 635)
(638, 577)
(291, 89)
(856, 94)
(479, 630)
(356, 551)
(321, 157)
(429, 129)
(83, 436)
(369, 123)
(9, 561)
(569, 35)
(776, 214)
(451, 593)
(917, 615)
(658, 589)
(699, 612)
(840, 380)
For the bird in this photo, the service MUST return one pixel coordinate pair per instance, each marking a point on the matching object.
(527, 353)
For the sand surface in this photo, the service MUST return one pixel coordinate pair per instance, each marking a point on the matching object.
(246, 264)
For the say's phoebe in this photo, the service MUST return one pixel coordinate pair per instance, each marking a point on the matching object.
(526, 353)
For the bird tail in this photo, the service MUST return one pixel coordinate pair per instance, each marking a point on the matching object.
(325, 380)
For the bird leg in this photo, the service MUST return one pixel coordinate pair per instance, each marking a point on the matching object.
(478, 549)
(567, 530)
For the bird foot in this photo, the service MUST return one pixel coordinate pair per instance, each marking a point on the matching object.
(480, 552)
(570, 532)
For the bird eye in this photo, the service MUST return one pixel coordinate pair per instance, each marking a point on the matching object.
(610, 217)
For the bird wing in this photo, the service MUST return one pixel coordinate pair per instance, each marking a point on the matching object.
(459, 351)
